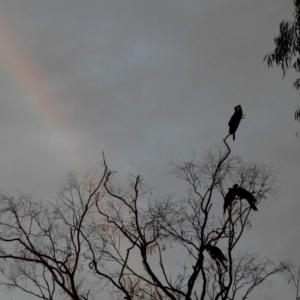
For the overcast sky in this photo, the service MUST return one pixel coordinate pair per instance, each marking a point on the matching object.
(147, 81)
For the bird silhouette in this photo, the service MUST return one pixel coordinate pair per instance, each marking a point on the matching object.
(235, 120)
(243, 194)
(216, 254)
(230, 196)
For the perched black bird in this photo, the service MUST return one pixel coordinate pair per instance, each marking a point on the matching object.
(216, 253)
(235, 120)
(243, 194)
(230, 196)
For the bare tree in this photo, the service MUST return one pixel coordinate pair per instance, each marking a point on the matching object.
(42, 246)
(100, 238)
(151, 229)
(294, 279)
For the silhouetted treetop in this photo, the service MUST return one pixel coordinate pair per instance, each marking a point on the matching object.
(287, 50)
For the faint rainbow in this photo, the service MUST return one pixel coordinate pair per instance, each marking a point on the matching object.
(27, 74)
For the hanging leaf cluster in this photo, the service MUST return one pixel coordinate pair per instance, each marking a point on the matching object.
(287, 50)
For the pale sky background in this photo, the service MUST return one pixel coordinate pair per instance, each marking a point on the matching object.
(147, 81)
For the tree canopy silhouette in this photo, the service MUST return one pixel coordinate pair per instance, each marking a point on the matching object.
(287, 48)
(99, 238)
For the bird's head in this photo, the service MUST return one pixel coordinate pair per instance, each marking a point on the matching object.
(236, 186)
(238, 107)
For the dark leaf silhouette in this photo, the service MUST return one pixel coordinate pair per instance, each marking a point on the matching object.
(287, 48)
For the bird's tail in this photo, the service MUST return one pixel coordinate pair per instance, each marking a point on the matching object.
(253, 206)
(225, 267)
